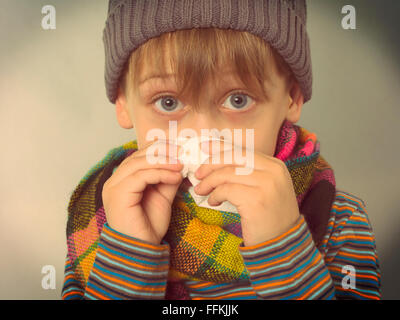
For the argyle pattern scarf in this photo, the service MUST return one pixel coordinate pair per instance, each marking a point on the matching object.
(203, 242)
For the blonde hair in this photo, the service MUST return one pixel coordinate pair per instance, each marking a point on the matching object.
(200, 52)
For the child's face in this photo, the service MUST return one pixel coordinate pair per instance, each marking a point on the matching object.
(224, 104)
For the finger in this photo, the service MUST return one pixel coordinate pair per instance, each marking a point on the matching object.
(227, 175)
(136, 183)
(168, 191)
(140, 160)
(226, 154)
(155, 148)
(141, 163)
(231, 192)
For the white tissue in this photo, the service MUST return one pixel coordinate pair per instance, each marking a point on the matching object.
(191, 156)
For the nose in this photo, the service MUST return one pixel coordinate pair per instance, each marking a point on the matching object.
(200, 120)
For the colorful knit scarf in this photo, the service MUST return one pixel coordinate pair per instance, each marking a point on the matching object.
(203, 242)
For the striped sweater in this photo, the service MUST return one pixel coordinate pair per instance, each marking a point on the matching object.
(344, 265)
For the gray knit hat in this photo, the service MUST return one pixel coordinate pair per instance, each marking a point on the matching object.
(282, 23)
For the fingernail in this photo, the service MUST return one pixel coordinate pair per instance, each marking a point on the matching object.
(197, 173)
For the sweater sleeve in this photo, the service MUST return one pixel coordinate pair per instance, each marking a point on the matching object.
(72, 288)
(350, 250)
(290, 266)
(124, 268)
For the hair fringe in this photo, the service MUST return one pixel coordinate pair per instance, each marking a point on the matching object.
(200, 53)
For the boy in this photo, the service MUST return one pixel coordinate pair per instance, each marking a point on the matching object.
(134, 232)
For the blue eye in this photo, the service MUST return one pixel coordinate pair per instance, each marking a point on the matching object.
(238, 101)
(168, 104)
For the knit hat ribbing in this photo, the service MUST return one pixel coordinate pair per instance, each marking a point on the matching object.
(282, 23)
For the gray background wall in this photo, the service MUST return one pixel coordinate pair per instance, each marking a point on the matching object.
(55, 123)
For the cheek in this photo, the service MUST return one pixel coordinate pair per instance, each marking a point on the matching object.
(142, 124)
(141, 127)
(265, 138)
(145, 124)
(265, 145)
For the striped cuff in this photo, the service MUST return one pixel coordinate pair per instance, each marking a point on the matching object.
(288, 266)
(128, 268)
(72, 288)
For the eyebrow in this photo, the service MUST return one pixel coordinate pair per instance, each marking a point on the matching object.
(170, 75)
(154, 76)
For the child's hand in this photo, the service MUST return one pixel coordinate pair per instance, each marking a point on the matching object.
(137, 198)
(265, 199)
